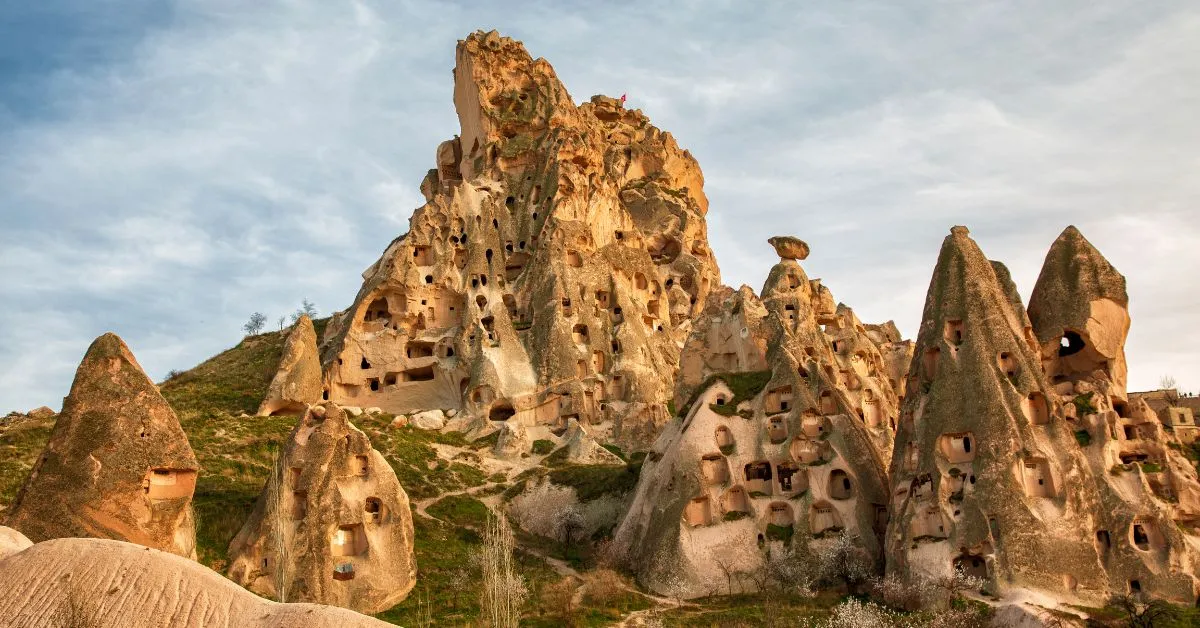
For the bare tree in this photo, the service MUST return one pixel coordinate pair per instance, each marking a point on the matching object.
(255, 324)
(1141, 612)
(503, 590)
(282, 322)
(1166, 382)
(567, 522)
(281, 531)
(307, 308)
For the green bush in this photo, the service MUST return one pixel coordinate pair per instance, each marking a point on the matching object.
(1083, 437)
(542, 446)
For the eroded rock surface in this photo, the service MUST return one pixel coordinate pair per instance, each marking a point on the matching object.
(332, 525)
(111, 584)
(551, 274)
(786, 418)
(297, 383)
(117, 466)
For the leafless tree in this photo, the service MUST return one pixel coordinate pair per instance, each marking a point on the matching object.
(567, 522)
(503, 590)
(281, 530)
(1141, 612)
(1166, 382)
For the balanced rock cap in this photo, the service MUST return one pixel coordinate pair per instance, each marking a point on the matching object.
(789, 247)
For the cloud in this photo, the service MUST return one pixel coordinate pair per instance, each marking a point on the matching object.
(170, 168)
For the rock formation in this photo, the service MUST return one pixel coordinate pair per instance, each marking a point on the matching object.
(1019, 458)
(332, 525)
(297, 383)
(110, 584)
(1146, 527)
(786, 418)
(117, 465)
(551, 273)
(986, 474)
(12, 542)
(787, 247)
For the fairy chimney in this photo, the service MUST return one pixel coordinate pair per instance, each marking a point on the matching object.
(297, 382)
(551, 273)
(332, 525)
(987, 475)
(117, 466)
(1147, 524)
(785, 421)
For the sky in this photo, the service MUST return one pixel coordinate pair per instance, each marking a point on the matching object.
(168, 167)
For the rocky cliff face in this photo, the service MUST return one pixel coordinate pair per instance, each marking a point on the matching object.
(786, 415)
(1147, 526)
(117, 466)
(332, 525)
(552, 272)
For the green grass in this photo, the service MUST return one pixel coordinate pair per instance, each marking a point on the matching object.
(460, 509)
(734, 515)
(593, 481)
(542, 446)
(20, 446)
(743, 385)
(744, 611)
(1083, 405)
(1151, 467)
(233, 381)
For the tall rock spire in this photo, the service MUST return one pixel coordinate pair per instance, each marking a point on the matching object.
(785, 416)
(987, 475)
(1079, 311)
(1147, 522)
(552, 272)
(118, 465)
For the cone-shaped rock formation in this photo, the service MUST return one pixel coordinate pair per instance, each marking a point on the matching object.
(297, 383)
(987, 475)
(786, 418)
(552, 272)
(1147, 525)
(117, 465)
(332, 525)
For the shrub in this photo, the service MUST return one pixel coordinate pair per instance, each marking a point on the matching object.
(558, 600)
(1083, 437)
(542, 446)
(604, 587)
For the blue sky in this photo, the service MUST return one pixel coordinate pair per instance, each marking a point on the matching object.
(166, 168)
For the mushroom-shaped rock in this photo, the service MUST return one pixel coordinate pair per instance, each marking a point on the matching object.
(102, 583)
(117, 465)
(788, 247)
(297, 383)
(332, 524)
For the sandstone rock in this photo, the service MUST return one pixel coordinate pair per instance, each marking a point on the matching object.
(353, 411)
(399, 421)
(110, 584)
(332, 525)
(785, 418)
(41, 413)
(117, 464)
(788, 247)
(11, 542)
(373, 411)
(428, 420)
(1146, 524)
(297, 383)
(451, 413)
(582, 448)
(512, 441)
(551, 272)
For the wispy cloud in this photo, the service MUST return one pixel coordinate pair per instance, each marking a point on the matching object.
(170, 167)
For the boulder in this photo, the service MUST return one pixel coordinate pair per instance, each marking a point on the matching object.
(41, 413)
(788, 247)
(428, 420)
(12, 541)
(117, 465)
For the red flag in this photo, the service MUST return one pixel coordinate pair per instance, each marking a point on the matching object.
(622, 99)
